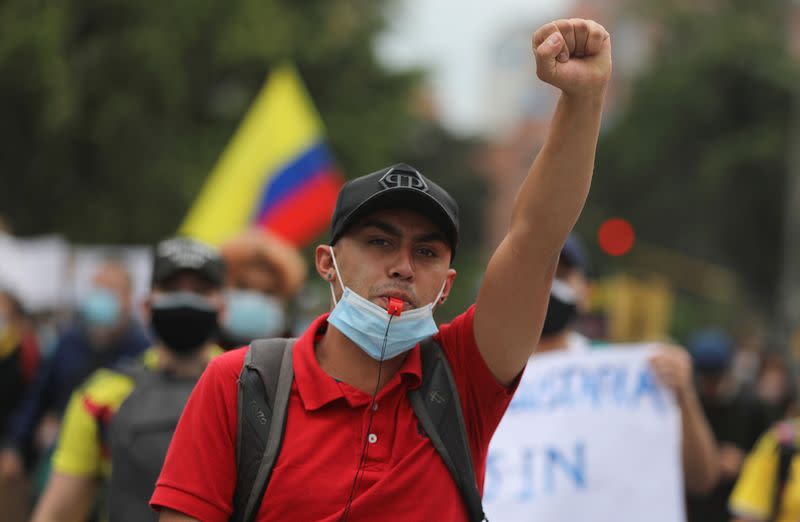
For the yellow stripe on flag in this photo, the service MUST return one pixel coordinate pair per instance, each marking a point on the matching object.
(281, 124)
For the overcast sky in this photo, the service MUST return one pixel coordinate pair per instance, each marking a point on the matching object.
(453, 39)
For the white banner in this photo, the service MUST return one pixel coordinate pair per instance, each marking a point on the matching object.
(35, 270)
(589, 435)
(48, 273)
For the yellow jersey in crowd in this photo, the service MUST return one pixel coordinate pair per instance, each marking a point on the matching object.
(754, 495)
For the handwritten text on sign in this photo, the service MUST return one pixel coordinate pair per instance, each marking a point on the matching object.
(589, 435)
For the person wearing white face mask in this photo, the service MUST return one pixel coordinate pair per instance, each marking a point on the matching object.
(354, 446)
(264, 274)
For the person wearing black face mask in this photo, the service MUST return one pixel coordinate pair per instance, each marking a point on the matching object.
(130, 411)
(568, 299)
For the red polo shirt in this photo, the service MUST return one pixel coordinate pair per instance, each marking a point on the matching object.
(403, 479)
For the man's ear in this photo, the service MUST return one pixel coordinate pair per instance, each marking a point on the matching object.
(448, 286)
(323, 261)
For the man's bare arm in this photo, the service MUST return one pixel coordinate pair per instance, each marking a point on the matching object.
(66, 498)
(575, 56)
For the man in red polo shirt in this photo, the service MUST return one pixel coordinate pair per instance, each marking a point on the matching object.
(394, 233)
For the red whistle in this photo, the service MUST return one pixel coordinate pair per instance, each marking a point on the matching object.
(395, 306)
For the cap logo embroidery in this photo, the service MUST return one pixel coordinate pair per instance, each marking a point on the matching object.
(403, 178)
(184, 253)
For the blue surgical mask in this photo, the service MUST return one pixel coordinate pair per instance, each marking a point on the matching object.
(101, 308)
(370, 326)
(253, 315)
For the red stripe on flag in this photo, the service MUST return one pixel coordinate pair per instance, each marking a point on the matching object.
(301, 216)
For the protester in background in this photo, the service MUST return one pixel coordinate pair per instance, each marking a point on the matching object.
(768, 488)
(19, 354)
(569, 298)
(671, 365)
(103, 333)
(183, 308)
(264, 274)
(19, 360)
(773, 386)
(747, 359)
(736, 417)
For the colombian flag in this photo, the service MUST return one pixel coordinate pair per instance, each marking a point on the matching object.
(276, 173)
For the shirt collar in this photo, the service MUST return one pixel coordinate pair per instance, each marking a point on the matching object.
(316, 388)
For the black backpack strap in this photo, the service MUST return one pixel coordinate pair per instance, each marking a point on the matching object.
(264, 387)
(438, 408)
(787, 447)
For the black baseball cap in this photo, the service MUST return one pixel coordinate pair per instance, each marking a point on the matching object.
(398, 186)
(574, 255)
(180, 253)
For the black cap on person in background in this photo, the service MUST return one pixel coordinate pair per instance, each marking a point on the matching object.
(180, 253)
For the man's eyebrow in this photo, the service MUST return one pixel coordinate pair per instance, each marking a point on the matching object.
(390, 229)
(430, 237)
(383, 226)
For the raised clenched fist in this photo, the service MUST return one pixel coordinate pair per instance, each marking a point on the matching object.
(573, 55)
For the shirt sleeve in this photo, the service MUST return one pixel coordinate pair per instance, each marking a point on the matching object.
(754, 492)
(199, 474)
(78, 452)
(483, 399)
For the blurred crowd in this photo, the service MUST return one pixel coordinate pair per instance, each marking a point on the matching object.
(746, 390)
(47, 359)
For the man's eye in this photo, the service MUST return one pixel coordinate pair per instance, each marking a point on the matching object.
(427, 252)
(378, 242)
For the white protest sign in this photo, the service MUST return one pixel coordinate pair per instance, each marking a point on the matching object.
(35, 270)
(589, 435)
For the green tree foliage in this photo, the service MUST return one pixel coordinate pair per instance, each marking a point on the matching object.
(697, 162)
(114, 111)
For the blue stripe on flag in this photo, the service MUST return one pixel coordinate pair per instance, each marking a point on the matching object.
(293, 175)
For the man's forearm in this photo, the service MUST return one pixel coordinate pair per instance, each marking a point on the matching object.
(555, 190)
(700, 461)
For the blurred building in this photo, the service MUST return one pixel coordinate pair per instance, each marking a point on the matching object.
(519, 108)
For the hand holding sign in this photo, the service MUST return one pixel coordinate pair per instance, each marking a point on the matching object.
(672, 365)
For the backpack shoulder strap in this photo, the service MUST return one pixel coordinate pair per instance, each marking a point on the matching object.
(786, 433)
(438, 408)
(265, 383)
